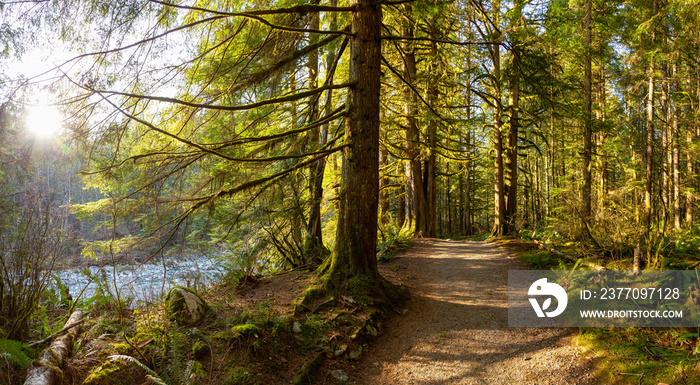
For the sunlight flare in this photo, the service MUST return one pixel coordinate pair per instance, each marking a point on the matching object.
(44, 120)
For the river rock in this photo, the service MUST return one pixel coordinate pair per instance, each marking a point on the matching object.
(184, 306)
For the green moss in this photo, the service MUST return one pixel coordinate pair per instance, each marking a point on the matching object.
(122, 348)
(236, 332)
(180, 311)
(281, 324)
(200, 350)
(362, 288)
(244, 329)
(312, 334)
(114, 373)
(50, 366)
(638, 351)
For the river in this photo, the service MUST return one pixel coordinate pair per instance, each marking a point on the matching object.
(144, 282)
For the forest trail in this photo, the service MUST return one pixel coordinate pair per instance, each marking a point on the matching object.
(455, 330)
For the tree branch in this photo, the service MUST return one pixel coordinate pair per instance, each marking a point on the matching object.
(415, 91)
(301, 9)
(283, 99)
(453, 42)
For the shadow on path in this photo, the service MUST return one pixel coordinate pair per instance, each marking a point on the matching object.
(455, 329)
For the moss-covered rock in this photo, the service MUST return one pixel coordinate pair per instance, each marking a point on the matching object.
(184, 306)
(237, 332)
(116, 372)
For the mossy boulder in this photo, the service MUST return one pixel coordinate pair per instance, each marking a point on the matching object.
(116, 372)
(184, 306)
(236, 332)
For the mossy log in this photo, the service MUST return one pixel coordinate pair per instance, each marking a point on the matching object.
(46, 370)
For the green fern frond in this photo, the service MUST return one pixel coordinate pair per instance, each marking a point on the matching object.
(11, 351)
(193, 373)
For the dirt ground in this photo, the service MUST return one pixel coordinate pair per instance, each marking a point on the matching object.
(455, 329)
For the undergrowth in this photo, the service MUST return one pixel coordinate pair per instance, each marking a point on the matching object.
(642, 355)
(393, 242)
(630, 355)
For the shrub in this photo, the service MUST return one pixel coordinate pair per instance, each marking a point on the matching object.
(30, 240)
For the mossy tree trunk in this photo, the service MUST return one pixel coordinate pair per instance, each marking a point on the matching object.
(353, 263)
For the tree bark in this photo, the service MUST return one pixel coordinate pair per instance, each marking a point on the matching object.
(499, 225)
(468, 165)
(314, 248)
(586, 209)
(412, 134)
(511, 179)
(384, 215)
(354, 255)
(430, 166)
(604, 172)
(401, 214)
(676, 156)
(690, 161)
(649, 160)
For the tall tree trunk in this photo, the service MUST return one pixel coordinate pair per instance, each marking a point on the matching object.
(511, 178)
(527, 188)
(468, 185)
(667, 155)
(676, 156)
(465, 218)
(690, 137)
(410, 214)
(649, 153)
(430, 166)
(401, 206)
(587, 155)
(354, 255)
(314, 249)
(461, 199)
(412, 134)
(604, 172)
(499, 225)
(384, 214)
(511, 181)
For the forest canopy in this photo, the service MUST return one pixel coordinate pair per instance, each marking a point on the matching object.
(294, 134)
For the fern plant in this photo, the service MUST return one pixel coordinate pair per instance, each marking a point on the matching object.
(11, 351)
(190, 376)
(150, 374)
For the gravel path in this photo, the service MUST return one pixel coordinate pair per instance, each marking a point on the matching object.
(455, 330)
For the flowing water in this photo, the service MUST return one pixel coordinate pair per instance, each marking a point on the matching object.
(143, 282)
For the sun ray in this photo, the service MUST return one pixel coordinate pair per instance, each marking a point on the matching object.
(43, 120)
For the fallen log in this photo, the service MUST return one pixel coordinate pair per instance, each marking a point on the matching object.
(46, 370)
(573, 259)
